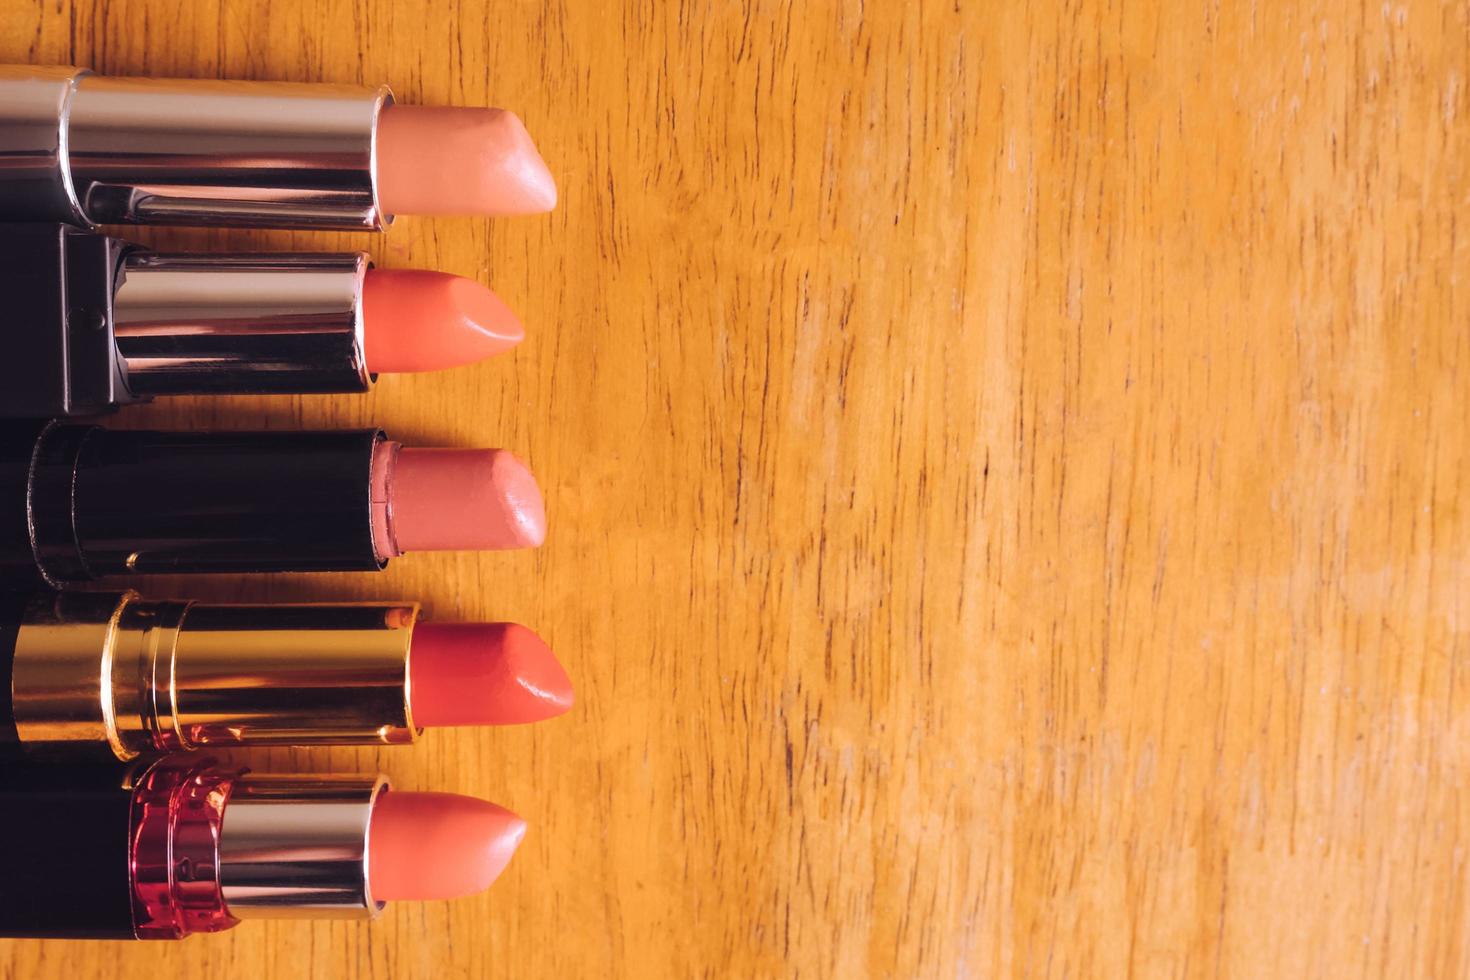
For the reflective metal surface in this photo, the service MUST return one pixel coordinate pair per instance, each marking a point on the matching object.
(297, 847)
(288, 675)
(84, 148)
(101, 674)
(177, 809)
(62, 681)
(35, 181)
(272, 154)
(221, 323)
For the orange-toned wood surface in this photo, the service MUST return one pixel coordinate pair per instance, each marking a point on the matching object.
(1007, 468)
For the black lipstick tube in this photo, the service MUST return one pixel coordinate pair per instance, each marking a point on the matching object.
(95, 322)
(78, 502)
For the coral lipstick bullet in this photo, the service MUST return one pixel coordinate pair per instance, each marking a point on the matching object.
(417, 320)
(460, 161)
(484, 674)
(428, 846)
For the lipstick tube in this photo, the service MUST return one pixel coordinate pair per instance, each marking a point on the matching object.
(96, 323)
(78, 502)
(88, 150)
(161, 851)
(110, 675)
(165, 849)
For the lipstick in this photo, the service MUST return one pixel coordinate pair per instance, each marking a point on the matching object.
(78, 502)
(88, 150)
(92, 675)
(96, 322)
(162, 850)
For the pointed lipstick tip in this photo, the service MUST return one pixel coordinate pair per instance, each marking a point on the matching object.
(524, 511)
(544, 682)
(438, 160)
(538, 186)
(431, 846)
(549, 198)
(421, 320)
(464, 500)
(515, 833)
(483, 674)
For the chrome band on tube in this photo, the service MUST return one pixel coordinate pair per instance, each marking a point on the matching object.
(296, 847)
(263, 323)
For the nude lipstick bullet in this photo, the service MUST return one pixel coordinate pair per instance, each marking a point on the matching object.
(88, 676)
(165, 849)
(90, 150)
(78, 502)
(95, 322)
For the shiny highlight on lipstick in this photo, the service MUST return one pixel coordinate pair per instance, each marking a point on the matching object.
(448, 160)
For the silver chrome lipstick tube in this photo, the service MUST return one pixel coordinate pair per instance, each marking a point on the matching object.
(98, 675)
(92, 322)
(88, 149)
(296, 847)
(285, 323)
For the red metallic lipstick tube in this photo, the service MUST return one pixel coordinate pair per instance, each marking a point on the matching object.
(78, 502)
(92, 676)
(162, 850)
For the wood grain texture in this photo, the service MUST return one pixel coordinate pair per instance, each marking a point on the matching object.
(1007, 468)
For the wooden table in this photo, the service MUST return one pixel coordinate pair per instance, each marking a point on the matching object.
(1007, 468)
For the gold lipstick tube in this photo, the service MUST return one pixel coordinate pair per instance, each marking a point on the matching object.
(99, 674)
